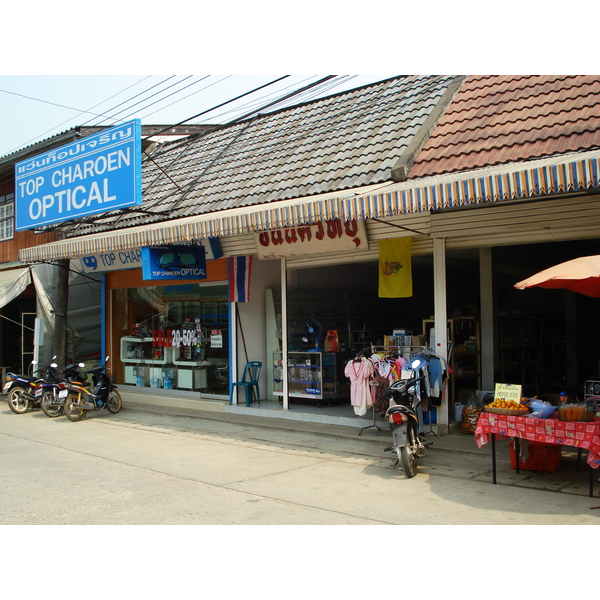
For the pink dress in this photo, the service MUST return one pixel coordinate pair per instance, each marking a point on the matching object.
(359, 373)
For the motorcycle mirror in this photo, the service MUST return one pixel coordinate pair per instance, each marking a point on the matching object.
(81, 365)
(416, 363)
(53, 365)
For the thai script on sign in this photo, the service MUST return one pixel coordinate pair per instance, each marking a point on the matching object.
(330, 235)
(76, 149)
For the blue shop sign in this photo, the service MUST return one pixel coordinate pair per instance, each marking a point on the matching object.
(173, 262)
(132, 259)
(96, 174)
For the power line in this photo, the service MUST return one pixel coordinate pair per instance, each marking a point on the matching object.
(186, 97)
(221, 104)
(80, 111)
(128, 100)
(129, 116)
(97, 104)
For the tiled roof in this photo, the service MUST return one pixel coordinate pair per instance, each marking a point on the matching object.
(350, 139)
(499, 119)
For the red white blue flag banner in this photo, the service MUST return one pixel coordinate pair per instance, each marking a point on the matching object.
(240, 268)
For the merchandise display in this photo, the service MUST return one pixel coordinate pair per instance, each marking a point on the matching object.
(174, 337)
(311, 375)
(576, 412)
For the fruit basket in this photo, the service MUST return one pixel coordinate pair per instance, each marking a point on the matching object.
(506, 411)
(503, 406)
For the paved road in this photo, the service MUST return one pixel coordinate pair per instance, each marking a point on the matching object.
(142, 468)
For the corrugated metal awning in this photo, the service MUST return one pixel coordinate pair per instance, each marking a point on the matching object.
(516, 181)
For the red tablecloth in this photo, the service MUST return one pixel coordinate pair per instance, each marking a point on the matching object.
(545, 431)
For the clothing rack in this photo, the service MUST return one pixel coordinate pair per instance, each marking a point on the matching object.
(374, 421)
(413, 352)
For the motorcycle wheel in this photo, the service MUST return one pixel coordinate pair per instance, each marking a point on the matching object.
(409, 452)
(114, 402)
(72, 409)
(46, 404)
(18, 400)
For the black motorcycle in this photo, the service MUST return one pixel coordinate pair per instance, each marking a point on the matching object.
(47, 391)
(403, 418)
(21, 388)
(79, 400)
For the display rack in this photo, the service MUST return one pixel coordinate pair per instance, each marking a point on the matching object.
(145, 364)
(311, 375)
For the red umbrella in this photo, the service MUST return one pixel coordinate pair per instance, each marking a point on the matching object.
(579, 275)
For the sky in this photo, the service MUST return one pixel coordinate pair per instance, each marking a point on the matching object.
(64, 63)
(36, 107)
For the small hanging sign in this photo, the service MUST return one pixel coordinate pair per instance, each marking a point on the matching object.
(216, 338)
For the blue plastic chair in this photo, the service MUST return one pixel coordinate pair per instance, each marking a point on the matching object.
(249, 382)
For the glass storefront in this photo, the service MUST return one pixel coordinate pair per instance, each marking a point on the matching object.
(173, 336)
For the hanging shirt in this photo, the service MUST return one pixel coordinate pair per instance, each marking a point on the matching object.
(359, 373)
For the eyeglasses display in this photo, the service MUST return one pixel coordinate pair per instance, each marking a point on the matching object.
(174, 336)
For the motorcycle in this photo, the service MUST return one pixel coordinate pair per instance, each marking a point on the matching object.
(46, 392)
(403, 417)
(79, 400)
(21, 388)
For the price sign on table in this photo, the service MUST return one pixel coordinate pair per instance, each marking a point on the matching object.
(507, 391)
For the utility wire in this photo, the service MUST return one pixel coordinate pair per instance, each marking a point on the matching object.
(301, 97)
(221, 104)
(129, 116)
(80, 111)
(87, 123)
(91, 107)
(186, 97)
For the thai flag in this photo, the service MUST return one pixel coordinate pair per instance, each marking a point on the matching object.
(240, 268)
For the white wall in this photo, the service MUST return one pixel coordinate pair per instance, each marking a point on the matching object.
(252, 316)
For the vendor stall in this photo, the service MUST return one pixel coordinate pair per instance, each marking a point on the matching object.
(578, 434)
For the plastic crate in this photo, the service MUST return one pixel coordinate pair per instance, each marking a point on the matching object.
(542, 457)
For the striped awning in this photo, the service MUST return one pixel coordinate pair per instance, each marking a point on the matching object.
(516, 181)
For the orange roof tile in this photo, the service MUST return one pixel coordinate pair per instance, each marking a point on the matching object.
(498, 119)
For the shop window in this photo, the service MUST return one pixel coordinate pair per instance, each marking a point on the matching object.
(7, 214)
(173, 336)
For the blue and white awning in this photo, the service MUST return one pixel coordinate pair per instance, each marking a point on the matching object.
(572, 173)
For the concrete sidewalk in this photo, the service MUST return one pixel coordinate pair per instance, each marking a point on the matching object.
(454, 455)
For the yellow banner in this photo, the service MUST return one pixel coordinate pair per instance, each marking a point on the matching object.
(395, 268)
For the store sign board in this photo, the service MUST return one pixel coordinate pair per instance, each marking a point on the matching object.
(132, 259)
(96, 174)
(327, 236)
(173, 262)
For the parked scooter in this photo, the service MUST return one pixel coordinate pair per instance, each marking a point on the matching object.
(46, 392)
(21, 388)
(403, 418)
(79, 400)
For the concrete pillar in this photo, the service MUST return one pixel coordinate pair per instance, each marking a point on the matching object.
(441, 319)
(487, 318)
